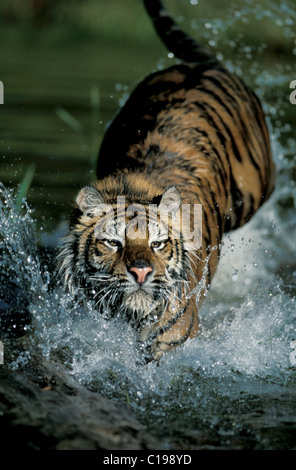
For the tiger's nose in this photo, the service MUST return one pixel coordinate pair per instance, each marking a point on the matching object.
(141, 273)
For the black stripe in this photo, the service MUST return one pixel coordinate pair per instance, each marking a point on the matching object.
(86, 248)
(255, 115)
(75, 249)
(213, 149)
(227, 130)
(236, 193)
(220, 85)
(219, 99)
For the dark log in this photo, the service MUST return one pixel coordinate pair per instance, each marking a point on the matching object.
(43, 407)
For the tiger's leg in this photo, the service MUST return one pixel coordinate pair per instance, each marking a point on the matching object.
(174, 328)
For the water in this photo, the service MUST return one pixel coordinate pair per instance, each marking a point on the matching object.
(244, 358)
(237, 379)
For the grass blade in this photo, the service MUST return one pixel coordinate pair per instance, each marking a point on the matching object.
(72, 122)
(25, 185)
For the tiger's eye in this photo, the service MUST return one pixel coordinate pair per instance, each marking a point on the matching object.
(157, 245)
(113, 243)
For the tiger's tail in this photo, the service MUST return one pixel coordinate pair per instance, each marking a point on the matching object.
(176, 40)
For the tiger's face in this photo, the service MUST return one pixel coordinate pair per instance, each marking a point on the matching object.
(131, 260)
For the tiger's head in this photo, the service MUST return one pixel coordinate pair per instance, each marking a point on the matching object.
(126, 249)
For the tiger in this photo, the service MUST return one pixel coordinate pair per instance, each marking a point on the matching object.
(186, 160)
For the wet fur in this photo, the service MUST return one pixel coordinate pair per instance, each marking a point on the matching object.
(194, 127)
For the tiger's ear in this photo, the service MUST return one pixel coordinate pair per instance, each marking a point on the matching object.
(171, 199)
(88, 199)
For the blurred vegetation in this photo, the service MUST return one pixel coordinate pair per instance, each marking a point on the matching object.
(68, 65)
(118, 20)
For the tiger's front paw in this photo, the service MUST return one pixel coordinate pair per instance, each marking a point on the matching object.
(152, 350)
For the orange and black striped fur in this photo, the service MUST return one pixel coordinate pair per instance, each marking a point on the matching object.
(191, 134)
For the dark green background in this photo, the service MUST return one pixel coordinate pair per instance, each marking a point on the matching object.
(85, 56)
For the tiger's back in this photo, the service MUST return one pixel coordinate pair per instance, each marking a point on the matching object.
(192, 123)
(193, 127)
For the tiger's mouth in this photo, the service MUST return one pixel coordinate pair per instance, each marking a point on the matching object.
(140, 306)
(139, 300)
